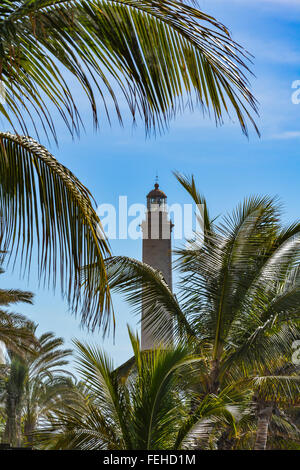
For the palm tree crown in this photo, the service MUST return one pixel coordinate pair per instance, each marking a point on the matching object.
(238, 300)
(16, 331)
(141, 405)
(159, 55)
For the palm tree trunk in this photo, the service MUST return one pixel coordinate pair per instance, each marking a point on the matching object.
(13, 401)
(10, 431)
(264, 418)
(29, 427)
(214, 377)
(18, 429)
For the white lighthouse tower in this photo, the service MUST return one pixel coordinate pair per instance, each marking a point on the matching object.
(157, 229)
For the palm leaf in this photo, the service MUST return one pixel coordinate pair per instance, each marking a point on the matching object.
(160, 55)
(41, 201)
(97, 371)
(17, 333)
(189, 185)
(144, 285)
(211, 410)
(10, 296)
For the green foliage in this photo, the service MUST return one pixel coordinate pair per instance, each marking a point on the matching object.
(238, 300)
(43, 204)
(14, 392)
(33, 388)
(16, 331)
(146, 408)
(159, 56)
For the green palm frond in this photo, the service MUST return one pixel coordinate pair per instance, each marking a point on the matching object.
(142, 284)
(79, 425)
(98, 373)
(157, 406)
(238, 293)
(51, 357)
(189, 185)
(17, 333)
(225, 409)
(42, 202)
(284, 433)
(141, 411)
(276, 388)
(159, 55)
(40, 385)
(265, 347)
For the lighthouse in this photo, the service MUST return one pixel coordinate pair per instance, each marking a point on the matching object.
(157, 230)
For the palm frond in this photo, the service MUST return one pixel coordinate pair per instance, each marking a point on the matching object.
(188, 183)
(17, 333)
(143, 285)
(51, 357)
(160, 55)
(141, 411)
(98, 372)
(12, 296)
(282, 389)
(212, 409)
(42, 202)
(156, 403)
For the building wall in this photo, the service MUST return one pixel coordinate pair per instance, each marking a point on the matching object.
(157, 253)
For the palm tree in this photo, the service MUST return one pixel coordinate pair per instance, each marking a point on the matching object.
(12, 397)
(238, 302)
(47, 385)
(159, 56)
(275, 392)
(34, 386)
(17, 335)
(16, 331)
(284, 432)
(141, 405)
(43, 399)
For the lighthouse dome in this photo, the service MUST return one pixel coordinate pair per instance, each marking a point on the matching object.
(156, 192)
(156, 198)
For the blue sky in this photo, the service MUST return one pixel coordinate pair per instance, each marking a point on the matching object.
(121, 161)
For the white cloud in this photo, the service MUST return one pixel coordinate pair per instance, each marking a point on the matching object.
(286, 135)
